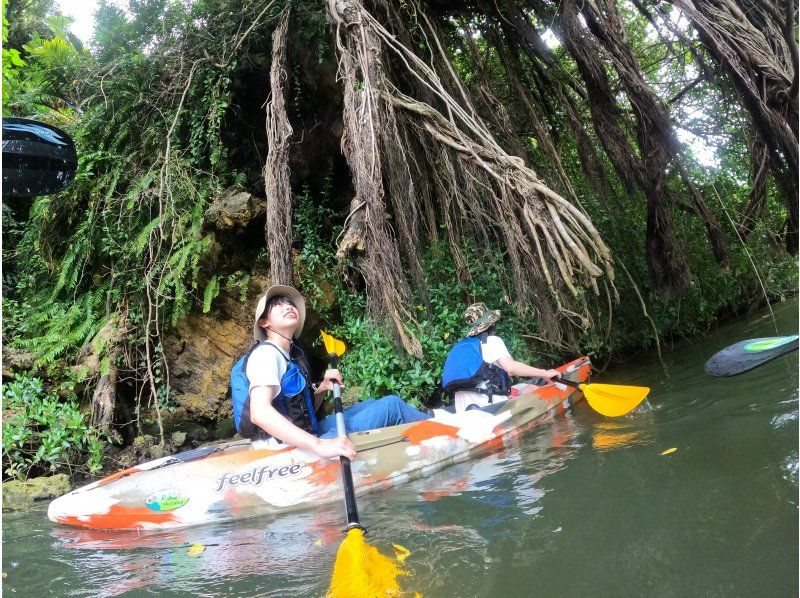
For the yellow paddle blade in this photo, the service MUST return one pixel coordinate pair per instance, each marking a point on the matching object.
(612, 400)
(361, 571)
(333, 346)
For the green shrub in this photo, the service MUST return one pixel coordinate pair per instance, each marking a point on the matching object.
(379, 366)
(43, 434)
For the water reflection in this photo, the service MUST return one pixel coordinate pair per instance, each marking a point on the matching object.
(614, 434)
(297, 550)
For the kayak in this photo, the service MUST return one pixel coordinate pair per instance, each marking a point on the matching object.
(235, 480)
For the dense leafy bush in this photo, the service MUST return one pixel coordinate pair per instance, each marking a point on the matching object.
(44, 434)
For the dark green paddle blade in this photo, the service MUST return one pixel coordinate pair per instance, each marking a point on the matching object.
(746, 355)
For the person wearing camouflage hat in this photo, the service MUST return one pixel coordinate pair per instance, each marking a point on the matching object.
(499, 364)
(480, 319)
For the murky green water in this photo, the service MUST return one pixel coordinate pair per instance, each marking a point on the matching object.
(582, 506)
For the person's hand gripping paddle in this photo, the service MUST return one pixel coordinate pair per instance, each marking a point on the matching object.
(360, 570)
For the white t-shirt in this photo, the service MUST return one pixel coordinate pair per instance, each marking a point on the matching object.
(493, 349)
(266, 367)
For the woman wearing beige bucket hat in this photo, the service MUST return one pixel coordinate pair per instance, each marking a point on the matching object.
(490, 383)
(272, 392)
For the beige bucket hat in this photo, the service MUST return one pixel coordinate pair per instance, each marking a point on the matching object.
(279, 290)
(479, 318)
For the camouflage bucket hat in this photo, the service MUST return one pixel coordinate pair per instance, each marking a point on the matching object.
(479, 318)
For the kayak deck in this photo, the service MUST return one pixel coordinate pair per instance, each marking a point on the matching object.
(234, 480)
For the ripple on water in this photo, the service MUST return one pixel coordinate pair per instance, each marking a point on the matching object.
(784, 419)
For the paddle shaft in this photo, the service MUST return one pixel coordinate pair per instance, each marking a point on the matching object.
(568, 382)
(347, 475)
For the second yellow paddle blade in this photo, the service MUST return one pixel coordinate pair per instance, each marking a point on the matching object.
(361, 571)
(332, 345)
(612, 400)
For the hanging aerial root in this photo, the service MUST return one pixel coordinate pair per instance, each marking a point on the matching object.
(363, 138)
(510, 203)
(278, 226)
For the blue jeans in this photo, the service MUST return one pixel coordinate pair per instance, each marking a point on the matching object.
(391, 410)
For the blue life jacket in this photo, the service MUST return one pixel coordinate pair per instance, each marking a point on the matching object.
(294, 401)
(465, 369)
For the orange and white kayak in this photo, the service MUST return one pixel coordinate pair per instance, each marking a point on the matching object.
(235, 480)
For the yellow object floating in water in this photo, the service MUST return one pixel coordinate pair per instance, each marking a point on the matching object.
(669, 451)
(361, 571)
(318, 543)
(195, 550)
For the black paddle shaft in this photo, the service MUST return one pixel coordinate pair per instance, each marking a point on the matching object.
(351, 508)
(567, 382)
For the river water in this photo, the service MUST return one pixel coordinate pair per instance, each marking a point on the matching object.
(581, 506)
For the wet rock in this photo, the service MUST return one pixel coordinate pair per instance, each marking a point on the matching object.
(201, 350)
(196, 433)
(351, 396)
(158, 450)
(141, 444)
(14, 361)
(234, 209)
(122, 459)
(21, 494)
(224, 429)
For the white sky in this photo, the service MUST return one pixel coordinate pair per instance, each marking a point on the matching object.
(82, 11)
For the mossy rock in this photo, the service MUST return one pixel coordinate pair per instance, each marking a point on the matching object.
(143, 443)
(225, 428)
(21, 494)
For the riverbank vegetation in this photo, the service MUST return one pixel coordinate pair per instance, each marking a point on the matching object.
(608, 174)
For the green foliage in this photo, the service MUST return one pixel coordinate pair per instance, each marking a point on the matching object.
(374, 361)
(377, 364)
(212, 290)
(12, 62)
(39, 75)
(43, 434)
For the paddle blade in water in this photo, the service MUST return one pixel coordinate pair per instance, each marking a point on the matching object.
(612, 400)
(332, 345)
(361, 571)
(746, 355)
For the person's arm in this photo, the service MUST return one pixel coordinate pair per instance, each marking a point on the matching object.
(266, 417)
(517, 368)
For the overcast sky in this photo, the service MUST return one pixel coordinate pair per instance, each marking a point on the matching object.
(82, 13)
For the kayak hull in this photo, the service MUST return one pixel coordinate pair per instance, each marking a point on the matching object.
(233, 480)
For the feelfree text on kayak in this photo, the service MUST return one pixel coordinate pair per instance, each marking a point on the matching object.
(259, 475)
